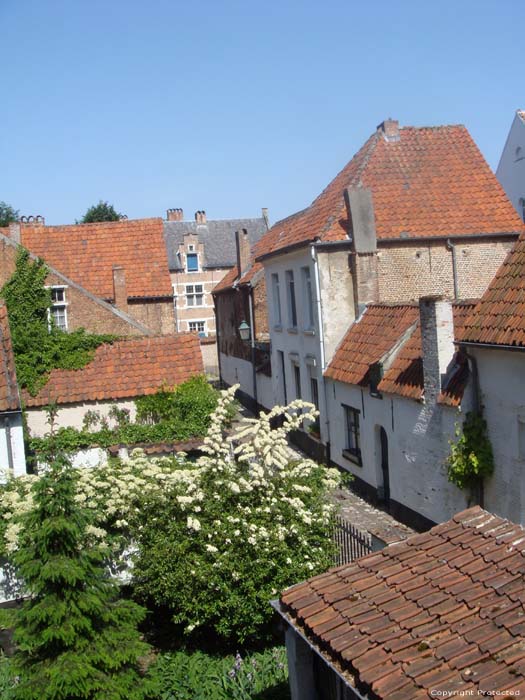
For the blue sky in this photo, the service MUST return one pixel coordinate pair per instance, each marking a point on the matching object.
(231, 105)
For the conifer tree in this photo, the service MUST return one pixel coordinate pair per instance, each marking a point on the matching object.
(75, 639)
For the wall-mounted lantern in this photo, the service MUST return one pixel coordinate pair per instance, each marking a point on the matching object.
(244, 332)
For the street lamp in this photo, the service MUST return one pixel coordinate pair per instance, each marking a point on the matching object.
(244, 331)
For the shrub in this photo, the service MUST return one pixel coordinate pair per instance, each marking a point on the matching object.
(243, 525)
(198, 676)
(471, 458)
(74, 638)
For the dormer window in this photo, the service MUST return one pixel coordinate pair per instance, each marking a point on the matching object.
(192, 262)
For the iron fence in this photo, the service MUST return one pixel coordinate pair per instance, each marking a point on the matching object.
(351, 543)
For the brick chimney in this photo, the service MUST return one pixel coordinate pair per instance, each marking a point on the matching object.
(437, 342)
(120, 293)
(242, 243)
(389, 129)
(174, 215)
(200, 216)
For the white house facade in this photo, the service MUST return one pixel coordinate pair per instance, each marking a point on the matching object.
(511, 168)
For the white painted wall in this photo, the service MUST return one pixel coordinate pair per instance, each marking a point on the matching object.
(502, 393)
(300, 345)
(234, 370)
(15, 435)
(73, 415)
(511, 168)
(417, 446)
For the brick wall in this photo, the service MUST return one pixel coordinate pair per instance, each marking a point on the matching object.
(158, 316)
(260, 310)
(409, 271)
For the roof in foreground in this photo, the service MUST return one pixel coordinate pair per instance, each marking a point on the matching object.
(432, 181)
(393, 329)
(87, 254)
(9, 396)
(125, 369)
(499, 317)
(441, 611)
(216, 235)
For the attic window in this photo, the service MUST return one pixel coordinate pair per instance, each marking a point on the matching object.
(58, 308)
(192, 262)
(191, 248)
(522, 208)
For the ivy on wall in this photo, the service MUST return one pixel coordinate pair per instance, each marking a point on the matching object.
(471, 458)
(38, 345)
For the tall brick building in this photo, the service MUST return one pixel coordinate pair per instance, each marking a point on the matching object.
(200, 254)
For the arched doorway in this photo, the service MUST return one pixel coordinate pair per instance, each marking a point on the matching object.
(383, 455)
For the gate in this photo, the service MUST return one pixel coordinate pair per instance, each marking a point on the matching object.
(351, 543)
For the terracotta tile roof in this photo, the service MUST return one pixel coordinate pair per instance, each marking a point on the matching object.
(405, 375)
(88, 252)
(375, 334)
(433, 181)
(231, 277)
(9, 396)
(443, 610)
(125, 369)
(499, 317)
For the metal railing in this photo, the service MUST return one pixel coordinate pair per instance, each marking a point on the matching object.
(351, 543)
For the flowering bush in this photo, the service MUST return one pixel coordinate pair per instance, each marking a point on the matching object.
(215, 539)
(216, 550)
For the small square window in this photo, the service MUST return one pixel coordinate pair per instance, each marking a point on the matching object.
(198, 327)
(192, 262)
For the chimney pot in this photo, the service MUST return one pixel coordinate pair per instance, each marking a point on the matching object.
(389, 129)
(174, 214)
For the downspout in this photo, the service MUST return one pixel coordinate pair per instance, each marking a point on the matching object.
(252, 342)
(218, 340)
(319, 307)
(451, 246)
(175, 310)
(10, 461)
(473, 367)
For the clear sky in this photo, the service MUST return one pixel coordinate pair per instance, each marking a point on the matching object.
(234, 105)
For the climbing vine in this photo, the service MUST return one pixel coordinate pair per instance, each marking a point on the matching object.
(471, 459)
(38, 345)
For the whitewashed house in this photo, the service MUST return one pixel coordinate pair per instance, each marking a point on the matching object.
(396, 390)
(511, 168)
(12, 452)
(494, 339)
(403, 219)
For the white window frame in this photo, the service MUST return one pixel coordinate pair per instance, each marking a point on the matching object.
(276, 291)
(58, 305)
(194, 295)
(204, 332)
(352, 432)
(292, 300)
(306, 275)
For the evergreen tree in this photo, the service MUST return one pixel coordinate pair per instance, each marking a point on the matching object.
(75, 639)
(103, 211)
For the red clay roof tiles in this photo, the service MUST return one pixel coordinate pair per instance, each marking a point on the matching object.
(433, 181)
(87, 253)
(475, 639)
(9, 396)
(376, 334)
(125, 369)
(499, 317)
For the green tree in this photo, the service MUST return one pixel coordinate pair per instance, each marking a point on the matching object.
(75, 639)
(38, 345)
(7, 214)
(103, 211)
